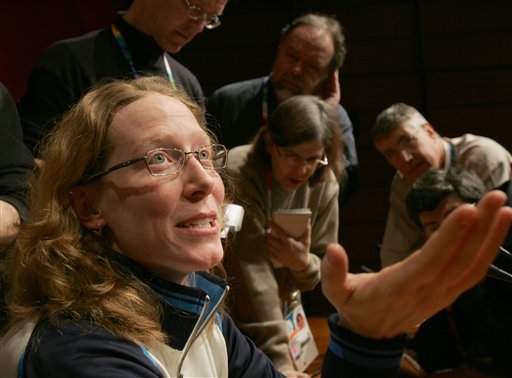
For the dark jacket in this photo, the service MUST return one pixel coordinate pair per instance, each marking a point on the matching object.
(15, 159)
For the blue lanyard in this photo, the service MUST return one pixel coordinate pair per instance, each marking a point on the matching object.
(128, 57)
(268, 181)
(452, 155)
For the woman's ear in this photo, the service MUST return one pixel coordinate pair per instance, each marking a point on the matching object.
(82, 202)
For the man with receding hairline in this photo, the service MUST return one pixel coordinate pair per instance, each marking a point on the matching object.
(309, 56)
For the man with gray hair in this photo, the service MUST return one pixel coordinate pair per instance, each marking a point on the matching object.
(413, 147)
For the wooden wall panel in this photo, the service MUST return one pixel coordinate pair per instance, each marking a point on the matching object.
(28, 27)
(371, 197)
(492, 121)
(363, 92)
(469, 87)
(453, 16)
(255, 61)
(484, 50)
(384, 56)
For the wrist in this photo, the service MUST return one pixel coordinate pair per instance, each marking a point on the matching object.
(302, 265)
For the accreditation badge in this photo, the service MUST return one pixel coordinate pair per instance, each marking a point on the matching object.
(301, 343)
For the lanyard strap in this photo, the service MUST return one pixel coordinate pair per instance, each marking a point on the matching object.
(264, 102)
(128, 56)
(269, 194)
(124, 49)
(452, 155)
(168, 71)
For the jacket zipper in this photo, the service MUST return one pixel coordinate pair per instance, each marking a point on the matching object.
(199, 327)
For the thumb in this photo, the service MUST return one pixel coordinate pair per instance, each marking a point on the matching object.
(334, 271)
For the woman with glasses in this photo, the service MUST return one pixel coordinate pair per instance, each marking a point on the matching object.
(294, 162)
(110, 273)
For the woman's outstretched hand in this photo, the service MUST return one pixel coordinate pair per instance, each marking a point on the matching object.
(394, 300)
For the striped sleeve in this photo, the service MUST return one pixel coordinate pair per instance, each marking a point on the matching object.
(358, 356)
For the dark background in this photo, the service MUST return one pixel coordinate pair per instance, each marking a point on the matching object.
(451, 59)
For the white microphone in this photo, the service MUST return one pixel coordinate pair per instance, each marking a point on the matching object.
(233, 217)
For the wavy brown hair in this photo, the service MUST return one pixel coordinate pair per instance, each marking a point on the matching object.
(60, 270)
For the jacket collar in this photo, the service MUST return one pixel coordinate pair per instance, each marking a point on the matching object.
(183, 306)
(143, 48)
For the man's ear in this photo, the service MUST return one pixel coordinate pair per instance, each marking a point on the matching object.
(429, 129)
(268, 141)
(82, 202)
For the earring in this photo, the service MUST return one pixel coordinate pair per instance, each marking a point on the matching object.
(97, 230)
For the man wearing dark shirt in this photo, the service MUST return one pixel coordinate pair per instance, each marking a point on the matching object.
(138, 43)
(310, 53)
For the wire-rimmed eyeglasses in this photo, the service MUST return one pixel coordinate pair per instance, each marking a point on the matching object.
(197, 13)
(297, 161)
(406, 143)
(170, 161)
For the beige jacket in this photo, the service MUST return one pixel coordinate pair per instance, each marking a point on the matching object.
(257, 287)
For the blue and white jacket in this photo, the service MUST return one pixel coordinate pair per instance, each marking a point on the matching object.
(202, 343)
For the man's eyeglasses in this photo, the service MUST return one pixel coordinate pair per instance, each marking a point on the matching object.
(297, 161)
(407, 143)
(197, 13)
(170, 161)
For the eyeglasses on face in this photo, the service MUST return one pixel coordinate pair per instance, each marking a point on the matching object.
(197, 13)
(171, 161)
(406, 143)
(296, 161)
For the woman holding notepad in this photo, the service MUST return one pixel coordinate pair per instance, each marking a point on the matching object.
(287, 180)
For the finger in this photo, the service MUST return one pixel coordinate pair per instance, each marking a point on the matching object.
(277, 247)
(278, 232)
(275, 230)
(499, 225)
(489, 225)
(443, 261)
(487, 210)
(477, 249)
(272, 246)
(334, 271)
(306, 237)
(428, 266)
(442, 249)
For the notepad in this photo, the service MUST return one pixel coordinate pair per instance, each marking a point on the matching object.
(292, 221)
